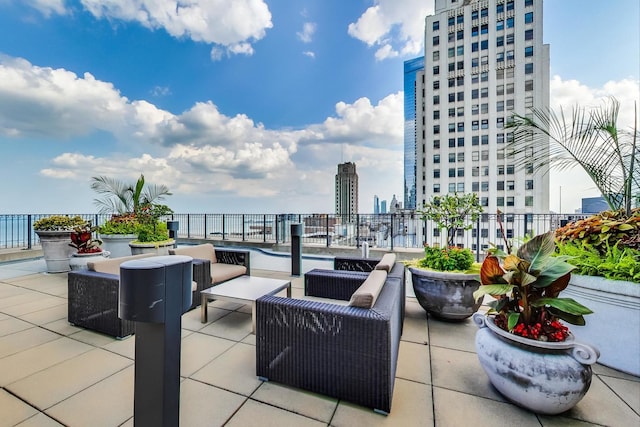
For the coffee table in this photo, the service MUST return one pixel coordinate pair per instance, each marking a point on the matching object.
(242, 290)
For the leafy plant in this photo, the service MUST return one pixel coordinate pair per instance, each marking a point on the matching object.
(82, 239)
(527, 286)
(149, 228)
(591, 140)
(445, 259)
(120, 224)
(58, 223)
(452, 212)
(148, 233)
(122, 198)
(617, 263)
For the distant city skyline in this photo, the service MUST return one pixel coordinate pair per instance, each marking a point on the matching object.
(254, 115)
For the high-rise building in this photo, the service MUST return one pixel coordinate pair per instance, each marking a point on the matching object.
(413, 78)
(347, 190)
(383, 207)
(484, 60)
(376, 205)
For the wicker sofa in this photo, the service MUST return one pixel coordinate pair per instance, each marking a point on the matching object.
(331, 348)
(221, 264)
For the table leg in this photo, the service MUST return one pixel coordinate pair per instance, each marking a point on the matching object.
(289, 290)
(253, 317)
(203, 308)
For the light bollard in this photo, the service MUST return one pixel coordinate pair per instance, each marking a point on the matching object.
(296, 249)
(154, 292)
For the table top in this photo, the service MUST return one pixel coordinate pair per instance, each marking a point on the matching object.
(248, 288)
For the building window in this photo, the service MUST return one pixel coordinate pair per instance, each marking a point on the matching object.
(436, 232)
(475, 93)
(500, 170)
(484, 29)
(500, 185)
(475, 140)
(509, 22)
(499, 202)
(475, 156)
(528, 3)
(528, 34)
(452, 142)
(452, 127)
(475, 186)
(452, 66)
(528, 200)
(499, 41)
(509, 5)
(528, 184)
(460, 50)
(484, 186)
(452, 157)
(436, 173)
(500, 25)
(484, 108)
(436, 70)
(461, 142)
(484, 12)
(474, 14)
(460, 126)
(452, 112)
(460, 81)
(484, 139)
(436, 84)
(436, 114)
(436, 40)
(484, 60)
(484, 45)
(500, 106)
(460, 111)
(485, 124)
(528, 17)
(436, 158)
(436, 129)
(500, 8)
(460, 35)
(511, 185)
(451, 52)
(436, 25)
(484, 92)
(460, 19)
(436, 144)
(510, 55)
(460, 96)
(528, 68)
(475, 125)
(474, 62)
(528, 51)
(500, 155)
(460, 65)
(461, 187)
(499, 89)
(451, 21)
(485, 171)
(436, 55)
(452, 187)
(510, 169)
(500, 122)
(451, 82)
(452, 97)
(528, 85)
(460, 172)
(500, 138)
(485, 155)
(451, 37)
(436, 188)
(509, 87)
(474, 47)
(528, 101)
(436, 99)
(452, 172)
(511, 201)
(510, 38)
(510, 103)
(475, 171)
(475, 109)
(500, 56)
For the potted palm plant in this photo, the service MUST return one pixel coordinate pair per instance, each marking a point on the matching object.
(153, 235)
(125, 201)
(526, 351)
(445, 279)
(54, 233)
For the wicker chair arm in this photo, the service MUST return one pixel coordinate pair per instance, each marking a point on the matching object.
(355, 264)
(234, 256)
(333, 284)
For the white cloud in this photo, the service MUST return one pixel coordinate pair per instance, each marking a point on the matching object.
(230, 25)
(161, 91)
(306, 35)
(397, 27)
(309, 53)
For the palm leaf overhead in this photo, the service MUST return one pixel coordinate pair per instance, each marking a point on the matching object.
(590, 139)
(121, 197)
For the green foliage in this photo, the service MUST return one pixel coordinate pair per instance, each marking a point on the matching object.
(120, 224)
(446, 259)
(152, 232)
(452, 212)
(58, 223)
(617, 263)
(122, 197)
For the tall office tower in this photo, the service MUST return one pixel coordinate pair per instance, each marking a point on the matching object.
(347, 190)
(484, 60)
(413, 79)
(376, 205)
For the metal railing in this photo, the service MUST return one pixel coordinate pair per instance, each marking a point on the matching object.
(388, 231)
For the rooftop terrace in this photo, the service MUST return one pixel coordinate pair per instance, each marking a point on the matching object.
(52, 373)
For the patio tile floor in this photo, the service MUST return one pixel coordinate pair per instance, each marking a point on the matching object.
(53, 374)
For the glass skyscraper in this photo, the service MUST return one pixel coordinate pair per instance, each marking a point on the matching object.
(412, 68)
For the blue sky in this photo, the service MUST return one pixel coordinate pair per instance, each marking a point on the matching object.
(247, 106)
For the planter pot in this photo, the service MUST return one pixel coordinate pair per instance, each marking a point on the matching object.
(544, 377)
(446, 295)
(56, 250)
(117, 244)
(158, 248)
(613, 327)
(79, 261)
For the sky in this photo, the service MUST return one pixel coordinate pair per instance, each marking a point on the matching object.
(248, 106)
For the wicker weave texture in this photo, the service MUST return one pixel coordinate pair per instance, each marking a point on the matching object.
(333, 284)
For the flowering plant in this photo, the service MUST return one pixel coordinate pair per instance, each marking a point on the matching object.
(82, 239)
(527, 286)
(57, 223)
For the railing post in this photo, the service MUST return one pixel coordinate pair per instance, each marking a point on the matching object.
(264, 228)
(327, 231)
(478, 239)
(391, 235)
(189, 226)
(243, 228)
(357, 230)
(205, 226)
(223, 224)
(29, 231)
(277, 217)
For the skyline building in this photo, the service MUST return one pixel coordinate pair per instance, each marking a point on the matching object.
(346, 190)
(412, 69)
(376, 205)
(484, 60)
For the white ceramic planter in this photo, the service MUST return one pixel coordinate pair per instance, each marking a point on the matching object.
(614, 326)
(79, 261)
(117, 244)
(544, 377)
(56, 250)
(446, 295)
(161, 248)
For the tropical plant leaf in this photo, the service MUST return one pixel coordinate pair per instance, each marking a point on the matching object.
(491, 273)
(554, 270)
(537, 250)
(577, 320)
(492, 290)
(567, 305)
(512, 320)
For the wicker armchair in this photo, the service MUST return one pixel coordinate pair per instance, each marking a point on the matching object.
(346, 352)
